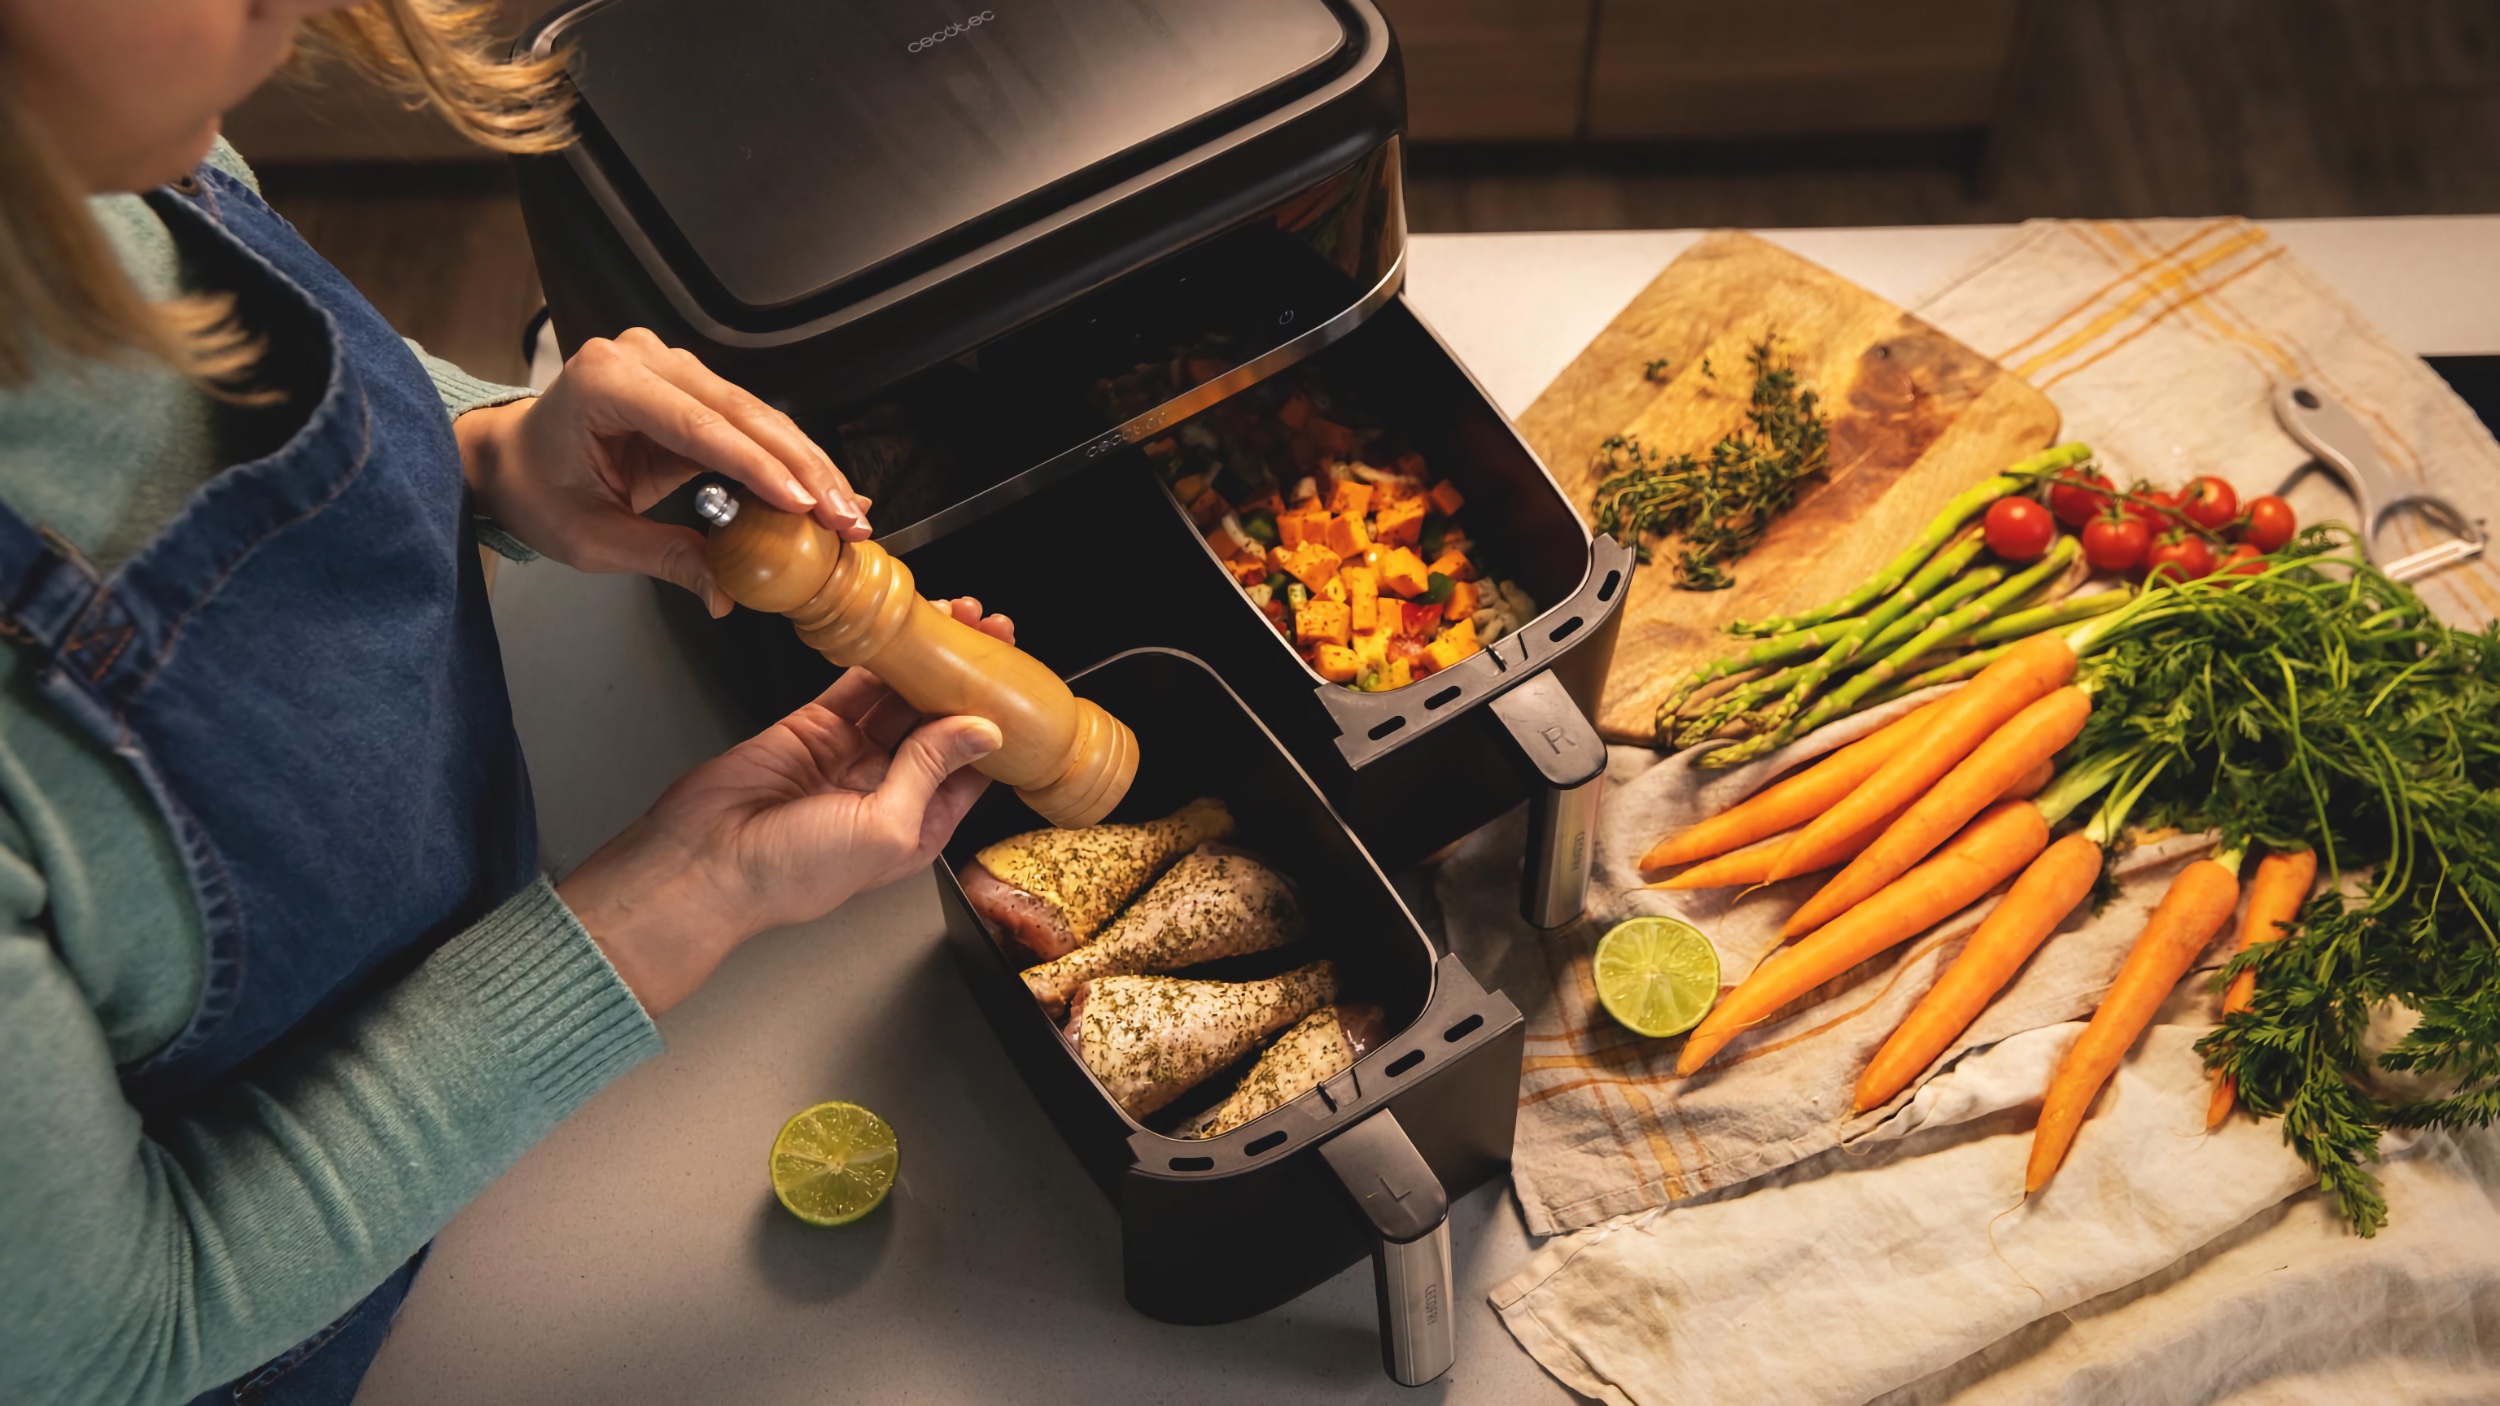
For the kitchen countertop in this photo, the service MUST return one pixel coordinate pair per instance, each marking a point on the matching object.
(638, 1255)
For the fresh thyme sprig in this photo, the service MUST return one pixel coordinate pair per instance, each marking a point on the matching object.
(1719, 507)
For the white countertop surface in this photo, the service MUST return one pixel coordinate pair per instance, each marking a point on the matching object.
(638, 1256)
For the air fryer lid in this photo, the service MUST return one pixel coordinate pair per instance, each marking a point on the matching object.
(796, 147)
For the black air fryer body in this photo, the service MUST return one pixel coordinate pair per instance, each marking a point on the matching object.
(933, 235)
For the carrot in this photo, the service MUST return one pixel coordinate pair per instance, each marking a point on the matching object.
(1986, 853)
(2040, 900)
(2199, 902)
(1753, 865)
(1961, 720)
(2275, 894)
(2034, 735)
(1792, 800)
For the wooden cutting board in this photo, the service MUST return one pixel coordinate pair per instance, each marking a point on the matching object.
(1916, 417)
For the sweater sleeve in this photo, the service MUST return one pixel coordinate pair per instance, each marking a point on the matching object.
(462, 393)
(147, 1262)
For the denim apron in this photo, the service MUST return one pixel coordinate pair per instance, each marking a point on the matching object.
(301, 669)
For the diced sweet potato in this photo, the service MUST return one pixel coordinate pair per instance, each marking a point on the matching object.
(1322, 622)
(1209, 506)
(1248, 570)
(1362, 594)
(1312, 564)
(1352, 496)
(1397, 673)
(1400, 523)
(1295, 410)
(1445, 496)
(1292, 526)
(1338, 664)
(1228, 541)
(1404, 573)
(1346, 536)
(1335, 589)
(1455, 565)
(1462, 602)
(1456, 643)
(1332, 439)
(1280, 558)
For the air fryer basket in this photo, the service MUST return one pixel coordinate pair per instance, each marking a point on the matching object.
(1221, 1228)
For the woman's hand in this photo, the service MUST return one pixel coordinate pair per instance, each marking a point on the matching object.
(851, 792)
(571, 471)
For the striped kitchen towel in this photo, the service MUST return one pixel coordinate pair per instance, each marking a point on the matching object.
(2161, 342)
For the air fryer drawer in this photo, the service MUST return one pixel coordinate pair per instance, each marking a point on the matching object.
(1220, 1228)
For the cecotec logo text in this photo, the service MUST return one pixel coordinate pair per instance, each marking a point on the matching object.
(961, 26)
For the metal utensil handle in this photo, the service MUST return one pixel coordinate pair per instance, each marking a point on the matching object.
(2342, 443)
(1566, 768)
(1417, 1339)
(1407, 1212)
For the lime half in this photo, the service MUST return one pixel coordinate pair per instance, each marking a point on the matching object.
(834, 1163)
(1657, 976)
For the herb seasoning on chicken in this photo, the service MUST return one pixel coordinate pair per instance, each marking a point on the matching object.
(1214, 903)
(1050, 891)
(1323, 1046)
(1150, 1039)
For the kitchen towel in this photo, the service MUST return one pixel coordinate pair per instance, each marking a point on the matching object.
(2164, 1264)
(2162, 341)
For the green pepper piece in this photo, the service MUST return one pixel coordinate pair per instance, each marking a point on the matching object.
(1436, 531)
(1437, 588)
(1297, 595)
(1261, 526)
(1277, 581)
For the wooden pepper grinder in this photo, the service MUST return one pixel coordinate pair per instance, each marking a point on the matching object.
(854, 603)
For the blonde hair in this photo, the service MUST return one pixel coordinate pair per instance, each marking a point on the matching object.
(62, 287)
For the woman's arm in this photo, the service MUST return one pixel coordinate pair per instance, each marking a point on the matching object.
(150, 1263)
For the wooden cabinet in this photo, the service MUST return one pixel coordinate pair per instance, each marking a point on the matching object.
(1493, 70)
(1668, 70)
(1695, 69)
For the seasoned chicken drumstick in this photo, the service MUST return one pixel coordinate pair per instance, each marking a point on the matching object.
(1324, 1045)
(1151, 1038)
(1050, 891)
(1214, 903)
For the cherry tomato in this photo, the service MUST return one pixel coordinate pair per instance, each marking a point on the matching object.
(2179, 556)
(2270, 523)
(2115, 542)
(2077, 494)
(2153, 510)
(2209, 502)
(2019, 529)
(2241, 560)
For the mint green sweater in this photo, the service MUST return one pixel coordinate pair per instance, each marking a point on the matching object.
(145, 1264)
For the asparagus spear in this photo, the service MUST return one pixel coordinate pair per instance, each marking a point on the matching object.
(1962, 509)
(1999, 635)
(1828, 637)
(1851, 695)
(1898, 618)
(1845, 699)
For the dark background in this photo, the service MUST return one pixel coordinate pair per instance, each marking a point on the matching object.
(1602, 114)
